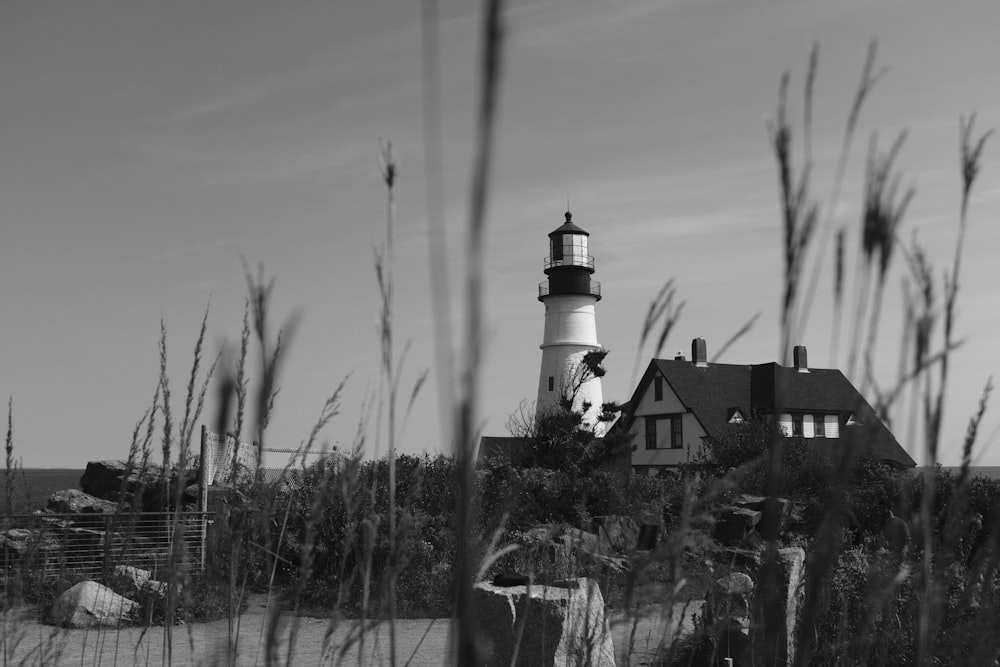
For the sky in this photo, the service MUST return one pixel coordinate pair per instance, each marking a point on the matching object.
(149, 150)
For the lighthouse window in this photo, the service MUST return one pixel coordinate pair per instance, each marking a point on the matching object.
(574, 245)
(552, 383)
(557, 248)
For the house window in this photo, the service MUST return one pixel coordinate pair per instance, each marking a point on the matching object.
(658, 388)
(831, 426)
(797, 426)
(552, 383)
(808, 426)
(665, 432)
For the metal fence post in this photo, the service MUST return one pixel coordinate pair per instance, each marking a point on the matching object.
(203, 497)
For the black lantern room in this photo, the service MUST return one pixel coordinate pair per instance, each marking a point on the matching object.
(568, 265)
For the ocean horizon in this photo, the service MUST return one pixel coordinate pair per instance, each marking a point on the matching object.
(32, 486)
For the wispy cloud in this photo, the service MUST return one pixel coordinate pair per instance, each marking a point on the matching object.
(185, 251)
(226, 100)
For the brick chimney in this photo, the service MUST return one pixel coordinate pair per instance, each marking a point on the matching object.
(799, 356)
(699, 354)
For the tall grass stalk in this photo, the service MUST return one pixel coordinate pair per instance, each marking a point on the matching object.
(9, 467)
(384, 270)
(467, 406)
(885, 203)
(970, 151)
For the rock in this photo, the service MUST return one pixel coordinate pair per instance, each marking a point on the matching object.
(567, 548)
(145, 489)
(542, 625)
(620, 533)
(17, 544)
(18, 541)
(133, 582)
(782, 508)
(508, 579)
(734, 524)
(775, 606)
(740, 558)
(74, 501)
(89, 604)
(104, 479)
(729, 597)
(649, 534)
(574, 539)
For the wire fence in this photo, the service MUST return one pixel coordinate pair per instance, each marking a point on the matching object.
(224, 457)
(93, 545)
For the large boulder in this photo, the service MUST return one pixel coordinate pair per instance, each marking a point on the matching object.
(133, 582)
(89, 604)
(620, 533)
(775, 606)
(577, 540)
(16, 542)
(74, 501)
(729, 598)
(568, 548)
(781, 507)
(104, 478)
(27, 546)
(542, 625)
(735, 524)
(143, 488)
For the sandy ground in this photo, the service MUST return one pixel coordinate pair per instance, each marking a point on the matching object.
(420, 642)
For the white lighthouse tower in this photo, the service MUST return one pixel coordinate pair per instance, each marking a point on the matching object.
(569, 296)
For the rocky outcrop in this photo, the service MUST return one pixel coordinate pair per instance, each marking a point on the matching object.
(143, 488)
(89, 604)
(74, 501)
(569, 548)
(134, 582)
(542, 625)
(735, 524)
(104, 479)
(619, 533)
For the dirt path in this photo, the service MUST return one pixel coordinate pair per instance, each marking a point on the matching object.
(420, 642)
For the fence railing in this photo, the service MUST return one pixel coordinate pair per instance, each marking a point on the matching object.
(92, 545)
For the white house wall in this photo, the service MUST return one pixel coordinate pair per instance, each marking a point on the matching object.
(692, 432)
(669, 405)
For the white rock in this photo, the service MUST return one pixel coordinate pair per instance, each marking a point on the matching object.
(89, 604)
(133, 580)
(546, 625)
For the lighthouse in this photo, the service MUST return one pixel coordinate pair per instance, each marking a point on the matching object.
(569, 295)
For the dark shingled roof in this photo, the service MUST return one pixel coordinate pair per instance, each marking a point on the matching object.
(711, 391)
(491, 447)
(568, 227)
